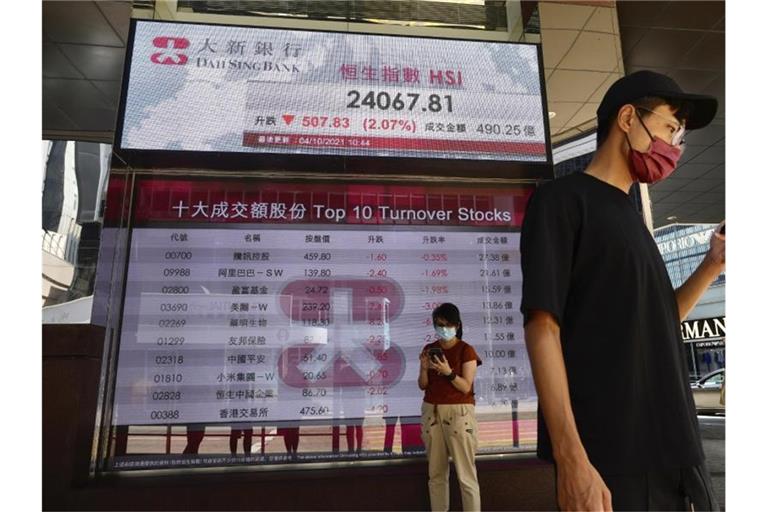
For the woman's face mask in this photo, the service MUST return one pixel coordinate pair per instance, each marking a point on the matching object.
(445, 333)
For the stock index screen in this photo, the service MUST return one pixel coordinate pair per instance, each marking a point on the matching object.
(273, 302)
(215, 88)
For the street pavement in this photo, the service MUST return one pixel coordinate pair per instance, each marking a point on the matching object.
(713, 439)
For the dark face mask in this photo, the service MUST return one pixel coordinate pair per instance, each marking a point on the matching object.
(655, 164)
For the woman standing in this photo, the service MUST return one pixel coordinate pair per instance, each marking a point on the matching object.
(448, 424)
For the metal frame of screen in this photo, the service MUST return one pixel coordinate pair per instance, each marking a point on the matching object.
(367, 165)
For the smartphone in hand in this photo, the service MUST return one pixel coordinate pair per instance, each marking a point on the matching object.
(436, 352)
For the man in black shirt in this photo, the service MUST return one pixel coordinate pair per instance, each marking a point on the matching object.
(602, 320)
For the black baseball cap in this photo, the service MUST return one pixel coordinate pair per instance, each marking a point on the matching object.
(649, 83)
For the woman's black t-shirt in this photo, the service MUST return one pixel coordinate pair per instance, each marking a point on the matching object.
(588, 259)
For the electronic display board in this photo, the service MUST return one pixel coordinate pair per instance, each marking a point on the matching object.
(230, 89)
(259, 302)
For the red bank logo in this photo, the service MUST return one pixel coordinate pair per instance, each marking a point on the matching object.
(168, 55)
(363, 357)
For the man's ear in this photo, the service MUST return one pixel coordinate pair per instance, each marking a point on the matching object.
(625, 118)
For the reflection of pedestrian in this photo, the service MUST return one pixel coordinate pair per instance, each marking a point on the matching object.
(707, 358)
(717, 360)
(121, 440)
(389, 432)
(195, 435)
(410, 434)
(602, 320)
(354, 433)
(235, 434)
(352, 403)
(290, 438)
(722, 391)
(448, 424)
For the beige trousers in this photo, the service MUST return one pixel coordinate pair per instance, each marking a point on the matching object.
(451, 429)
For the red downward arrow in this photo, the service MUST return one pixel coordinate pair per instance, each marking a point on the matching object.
(288, 118)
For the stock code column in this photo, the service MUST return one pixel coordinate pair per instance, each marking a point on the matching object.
(197, 336)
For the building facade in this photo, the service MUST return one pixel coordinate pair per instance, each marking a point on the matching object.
(683, 247)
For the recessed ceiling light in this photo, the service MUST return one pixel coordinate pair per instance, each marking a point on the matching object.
(552, 114)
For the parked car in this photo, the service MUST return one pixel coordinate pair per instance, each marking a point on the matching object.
(706, 392)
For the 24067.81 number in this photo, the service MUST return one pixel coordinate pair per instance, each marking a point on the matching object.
(385, 101)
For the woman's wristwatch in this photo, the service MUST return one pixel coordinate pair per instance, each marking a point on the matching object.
(451, 376)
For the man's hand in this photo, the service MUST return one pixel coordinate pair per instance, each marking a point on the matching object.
(697, 283)
(716, 253)
(580, 487)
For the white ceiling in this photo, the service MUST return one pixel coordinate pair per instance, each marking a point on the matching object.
(685, 40)
(582, 58)
(588, 45)
(83, 52)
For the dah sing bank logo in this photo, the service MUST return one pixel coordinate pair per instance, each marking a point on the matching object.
(169, 55)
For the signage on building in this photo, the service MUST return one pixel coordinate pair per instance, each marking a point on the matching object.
(703, 329)
(214, 88)
(685, 242)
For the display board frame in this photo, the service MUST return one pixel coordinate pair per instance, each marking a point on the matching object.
(122, 214)
(130, 166)
(360, 165)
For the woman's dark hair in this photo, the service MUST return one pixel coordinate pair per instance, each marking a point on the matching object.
(449, 313)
